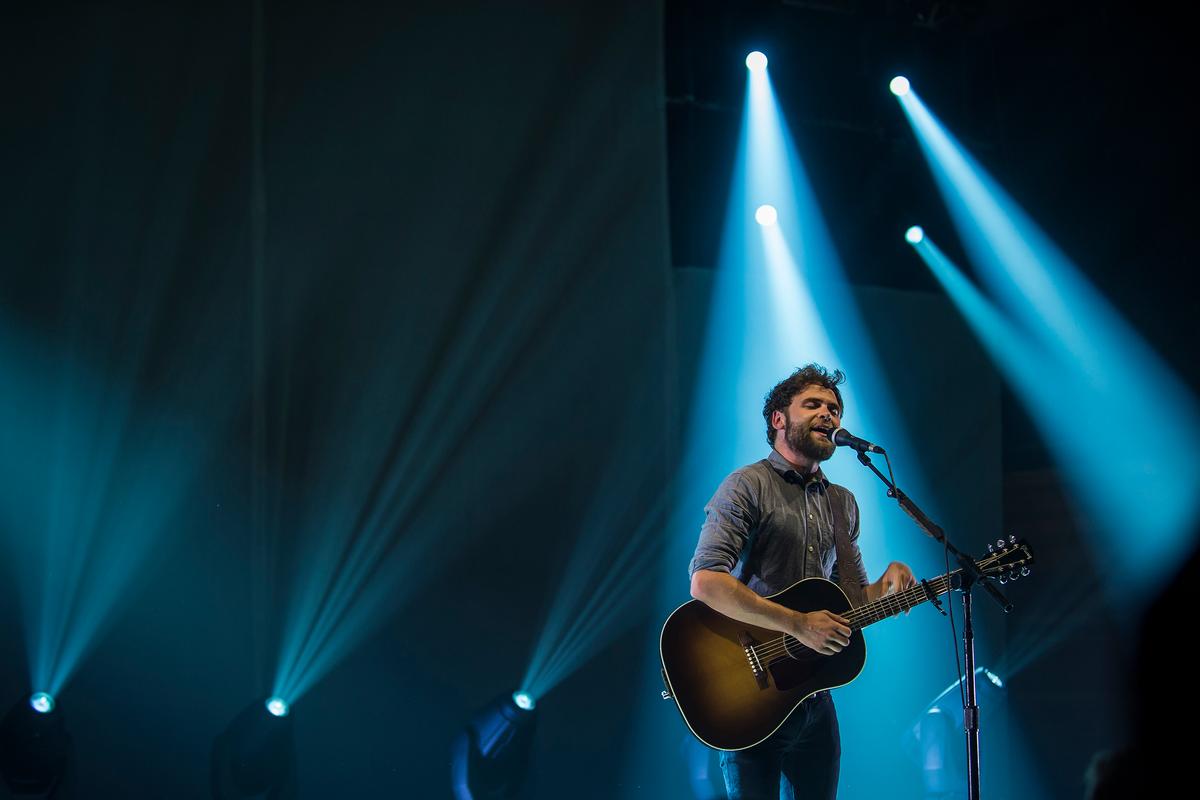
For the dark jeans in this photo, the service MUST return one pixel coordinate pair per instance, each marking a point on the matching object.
(800, 760)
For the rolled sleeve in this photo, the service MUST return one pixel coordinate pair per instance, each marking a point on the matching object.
(730, 518)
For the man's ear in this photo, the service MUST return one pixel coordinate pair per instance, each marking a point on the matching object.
(778, 420)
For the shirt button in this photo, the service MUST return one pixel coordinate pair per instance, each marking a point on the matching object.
(810, 516)
(810, 548)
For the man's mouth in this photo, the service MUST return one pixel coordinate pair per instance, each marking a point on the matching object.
(823, 430)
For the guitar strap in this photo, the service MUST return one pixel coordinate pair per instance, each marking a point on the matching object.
(847, 575)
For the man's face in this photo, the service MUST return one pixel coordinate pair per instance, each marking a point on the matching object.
(810, 420)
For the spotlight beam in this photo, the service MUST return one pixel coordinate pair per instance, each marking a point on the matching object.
(366, 538)
(573, 631)
(594, 622)
(90, 495)
(986, 218)
(780, 299)
(100, 469)
(394, 541)
(579, 575)
(1084, 348)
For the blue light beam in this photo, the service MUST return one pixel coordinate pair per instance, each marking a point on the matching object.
(374, 523)
(90, 495)
(794, 269)
(597, 596)
(1090, 361)
(779, 300)
(1038, 378)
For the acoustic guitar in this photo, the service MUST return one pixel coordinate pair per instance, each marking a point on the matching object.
(735, 684)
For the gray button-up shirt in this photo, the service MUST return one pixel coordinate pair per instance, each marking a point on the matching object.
(769, 526)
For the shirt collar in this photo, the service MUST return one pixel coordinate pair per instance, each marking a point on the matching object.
(783, 467)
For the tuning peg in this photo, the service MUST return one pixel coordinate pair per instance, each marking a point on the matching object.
(991, 548)
(1012, 539)
(1000, 543)
(1024, 571)
(1003, 579)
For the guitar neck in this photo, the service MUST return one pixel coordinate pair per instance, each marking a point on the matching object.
(886, 607)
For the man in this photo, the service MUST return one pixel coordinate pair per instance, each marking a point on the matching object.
(773, 523)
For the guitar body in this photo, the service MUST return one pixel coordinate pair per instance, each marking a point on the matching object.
(711, 673)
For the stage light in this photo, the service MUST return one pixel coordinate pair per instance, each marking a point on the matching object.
(490, 758)
(41, 703)
(756, 61)
(914, 235)
(524, 701)
(277, 706)
(36, 752)
(993, 677)
(766, 215)
(899, 86)
(255, 756)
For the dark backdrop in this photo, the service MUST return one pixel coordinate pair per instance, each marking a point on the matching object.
(446, 224)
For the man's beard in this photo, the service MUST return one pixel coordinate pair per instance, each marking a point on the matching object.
(802, 440)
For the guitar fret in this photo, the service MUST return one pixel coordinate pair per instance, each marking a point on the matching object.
(890, 606)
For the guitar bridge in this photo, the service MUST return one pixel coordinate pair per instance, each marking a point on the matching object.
(753, 659)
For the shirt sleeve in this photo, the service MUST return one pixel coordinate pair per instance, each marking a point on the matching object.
(729, 519)
(857, 567)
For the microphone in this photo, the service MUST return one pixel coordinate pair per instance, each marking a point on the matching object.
(844, 438)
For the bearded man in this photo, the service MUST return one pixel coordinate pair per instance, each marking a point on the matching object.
(769, 525)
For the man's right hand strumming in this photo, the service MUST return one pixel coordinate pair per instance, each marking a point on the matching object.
(822, 631)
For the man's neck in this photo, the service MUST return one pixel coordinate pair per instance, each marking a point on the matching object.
(800, 462)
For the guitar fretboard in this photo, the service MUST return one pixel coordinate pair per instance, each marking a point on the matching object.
(887, 607)
(893, 604)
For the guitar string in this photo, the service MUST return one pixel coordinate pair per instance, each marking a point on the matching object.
(772, 649)
(874, 612)
(881, 609)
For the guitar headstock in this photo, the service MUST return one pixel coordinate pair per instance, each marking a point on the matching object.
(1007, 560)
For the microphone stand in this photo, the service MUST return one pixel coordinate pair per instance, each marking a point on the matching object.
(967, 579)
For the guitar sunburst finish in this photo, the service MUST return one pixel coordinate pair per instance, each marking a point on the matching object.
(728, 705)
(736, 684)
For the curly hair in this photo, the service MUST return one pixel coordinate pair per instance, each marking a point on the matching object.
(780, 396)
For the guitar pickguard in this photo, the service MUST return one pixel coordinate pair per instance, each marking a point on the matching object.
(801, 667)
(809, 670)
